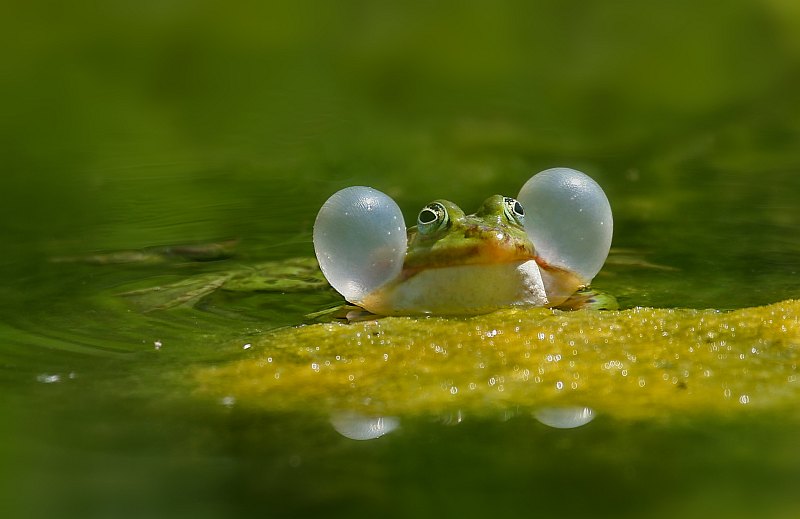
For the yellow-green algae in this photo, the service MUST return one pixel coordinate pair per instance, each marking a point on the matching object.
(630, 364)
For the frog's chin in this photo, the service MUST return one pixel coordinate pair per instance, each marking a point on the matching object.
(463, 289)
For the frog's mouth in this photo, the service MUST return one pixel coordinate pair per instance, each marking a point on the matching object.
(477, 246)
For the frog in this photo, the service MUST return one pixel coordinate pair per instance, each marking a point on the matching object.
(540, 249)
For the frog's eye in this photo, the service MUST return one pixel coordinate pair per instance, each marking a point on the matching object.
(513, 210)
(568, 220)
(360, 241)
(432, 218)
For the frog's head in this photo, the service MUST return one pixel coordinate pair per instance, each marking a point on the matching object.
(445, 237)
(536, 249)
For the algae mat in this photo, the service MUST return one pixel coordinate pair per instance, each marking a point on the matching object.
(639, 363)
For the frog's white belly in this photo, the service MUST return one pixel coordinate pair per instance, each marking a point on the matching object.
(466, 289)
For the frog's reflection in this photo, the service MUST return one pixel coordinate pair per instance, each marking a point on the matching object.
(356, 426)
(564, 417)
(360, 427)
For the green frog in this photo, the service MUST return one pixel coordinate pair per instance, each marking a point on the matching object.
(539, 249)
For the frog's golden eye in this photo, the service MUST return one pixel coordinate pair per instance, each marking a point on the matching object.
(513, 210)
(432, 218)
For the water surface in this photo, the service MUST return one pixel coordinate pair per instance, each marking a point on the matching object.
(129, 128)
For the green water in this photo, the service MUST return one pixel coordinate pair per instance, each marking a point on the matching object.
(134, 125)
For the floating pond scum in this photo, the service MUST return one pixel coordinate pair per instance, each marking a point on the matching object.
(635, 364)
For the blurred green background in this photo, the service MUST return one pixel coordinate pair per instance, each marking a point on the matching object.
(133, 124)
(127, 125)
